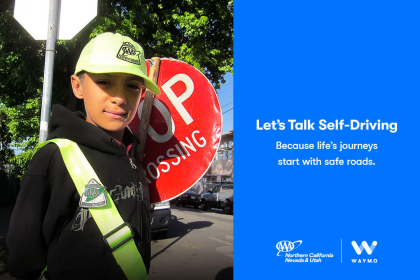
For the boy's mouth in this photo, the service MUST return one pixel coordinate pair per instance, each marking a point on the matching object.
(116, 114)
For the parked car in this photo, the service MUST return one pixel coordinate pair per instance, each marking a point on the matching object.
(221, 196)
(161, 215)
(188, 198)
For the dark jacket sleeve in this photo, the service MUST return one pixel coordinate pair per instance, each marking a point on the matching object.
(25, 239)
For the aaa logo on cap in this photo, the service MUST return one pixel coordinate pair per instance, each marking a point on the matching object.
(93, 195)
(129, 53)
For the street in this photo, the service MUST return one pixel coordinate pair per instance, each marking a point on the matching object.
(199, 245)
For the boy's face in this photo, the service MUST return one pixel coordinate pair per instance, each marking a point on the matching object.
(111, 99)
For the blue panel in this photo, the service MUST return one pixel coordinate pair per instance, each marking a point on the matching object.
(348, 61)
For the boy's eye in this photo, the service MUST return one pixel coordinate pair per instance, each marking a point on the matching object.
(103, 82)
(134, 86)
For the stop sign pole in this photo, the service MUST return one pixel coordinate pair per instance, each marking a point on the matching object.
(147, 108)
(49, 68)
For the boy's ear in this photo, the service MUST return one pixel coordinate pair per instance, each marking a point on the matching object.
(77, 86)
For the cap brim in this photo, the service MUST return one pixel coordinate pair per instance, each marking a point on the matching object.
(97, 69)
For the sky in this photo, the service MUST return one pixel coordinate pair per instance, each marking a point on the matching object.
(225, 95)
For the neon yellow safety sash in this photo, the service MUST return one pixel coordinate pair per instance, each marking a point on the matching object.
(117, 234)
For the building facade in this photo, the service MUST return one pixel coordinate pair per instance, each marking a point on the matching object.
(221, 169)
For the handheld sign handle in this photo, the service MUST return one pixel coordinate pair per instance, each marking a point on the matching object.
(147, 108)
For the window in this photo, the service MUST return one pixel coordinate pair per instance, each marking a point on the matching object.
(219, 156)
(227, 187)
(230, 154)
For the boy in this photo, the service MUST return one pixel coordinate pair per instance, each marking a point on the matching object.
(48, 227)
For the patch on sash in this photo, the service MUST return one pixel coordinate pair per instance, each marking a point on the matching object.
(93, 195)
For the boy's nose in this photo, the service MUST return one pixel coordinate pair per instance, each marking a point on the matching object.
(118, 97)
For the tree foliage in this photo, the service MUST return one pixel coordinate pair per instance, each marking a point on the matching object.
(5, 137)
(197, 32)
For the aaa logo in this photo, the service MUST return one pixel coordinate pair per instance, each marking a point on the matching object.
(287, 246)
(93, 193)
(129, 53)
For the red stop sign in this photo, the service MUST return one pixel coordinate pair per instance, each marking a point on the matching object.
(184, 132)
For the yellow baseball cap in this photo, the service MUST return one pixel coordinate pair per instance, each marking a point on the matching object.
(115, 53)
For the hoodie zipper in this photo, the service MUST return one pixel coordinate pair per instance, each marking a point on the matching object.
(139, 201)
(133, 168)
(132, 164)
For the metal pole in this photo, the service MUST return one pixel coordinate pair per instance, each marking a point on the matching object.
(49, 69)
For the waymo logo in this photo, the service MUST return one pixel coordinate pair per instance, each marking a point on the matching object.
(287, 246)
(364, 246)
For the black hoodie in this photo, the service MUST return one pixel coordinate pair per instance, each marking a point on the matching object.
(48, 228)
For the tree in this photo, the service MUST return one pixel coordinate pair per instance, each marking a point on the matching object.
(197, 32)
